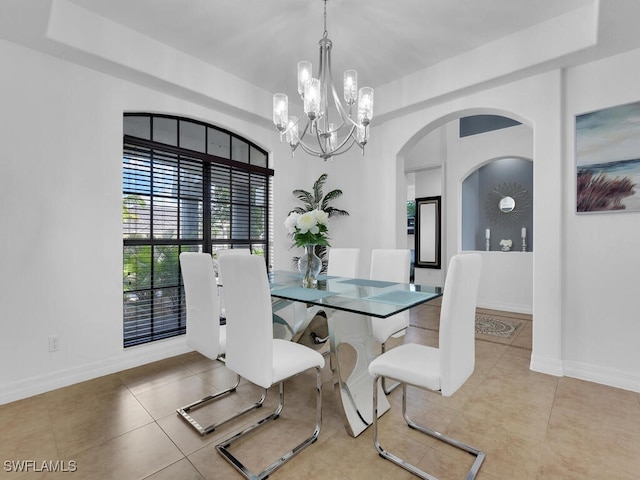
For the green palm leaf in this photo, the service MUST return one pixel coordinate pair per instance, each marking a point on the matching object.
(329, 197)
(335, 212)
(317, 188)
(306, 198)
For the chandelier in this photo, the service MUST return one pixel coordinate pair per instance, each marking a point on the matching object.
(332, 135)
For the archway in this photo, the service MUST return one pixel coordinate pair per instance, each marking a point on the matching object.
(537, 103)
(439, 158)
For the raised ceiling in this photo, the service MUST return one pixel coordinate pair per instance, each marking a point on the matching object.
(411, 51)
(261, 41)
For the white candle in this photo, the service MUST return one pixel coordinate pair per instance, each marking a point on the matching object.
(487, 234)
(524, 232)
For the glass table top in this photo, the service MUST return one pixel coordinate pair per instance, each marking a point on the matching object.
(368, 297)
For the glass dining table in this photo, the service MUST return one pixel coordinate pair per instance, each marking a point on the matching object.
(349, 304)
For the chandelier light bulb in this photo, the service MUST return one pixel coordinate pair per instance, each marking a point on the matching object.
(280, 110)
(305, 72)
(292, 131)
(312, 97)
(365, 105)
(350, 87)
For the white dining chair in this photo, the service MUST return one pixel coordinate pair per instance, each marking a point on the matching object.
(204, 332)
(444, 369)
(255, 355)
(343, 262)
(392, 265)
(221, 252)
(282, 322)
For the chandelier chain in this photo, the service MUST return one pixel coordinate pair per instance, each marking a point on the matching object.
(326, 33)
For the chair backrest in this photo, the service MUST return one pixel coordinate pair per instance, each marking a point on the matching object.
(249, 318)
(457, 321)
(392, 265)
(344, 262)
(203, 312)
(221, 252)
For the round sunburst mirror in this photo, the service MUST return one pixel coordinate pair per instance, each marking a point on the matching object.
(506, 203)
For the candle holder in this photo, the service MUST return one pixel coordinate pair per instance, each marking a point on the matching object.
(488, 246)
(524, 244)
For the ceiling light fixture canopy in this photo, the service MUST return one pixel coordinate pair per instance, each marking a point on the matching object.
(334, 136)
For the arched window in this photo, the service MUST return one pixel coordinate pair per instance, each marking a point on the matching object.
(186, 186)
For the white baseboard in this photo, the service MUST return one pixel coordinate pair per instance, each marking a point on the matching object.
(507, 307)
(606, 376)
(136, 356)
(586, 371)
(131, 357)
(546, 365)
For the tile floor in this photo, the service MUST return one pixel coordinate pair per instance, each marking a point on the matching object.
(532, 426)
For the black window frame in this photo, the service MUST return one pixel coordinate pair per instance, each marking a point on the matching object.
(146, 320)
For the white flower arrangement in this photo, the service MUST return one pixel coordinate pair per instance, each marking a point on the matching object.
(309, 228)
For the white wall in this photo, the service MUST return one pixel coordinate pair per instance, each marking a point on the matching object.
(601, 321)
(506, 281)
(301, 172)
(60, 204)
(61, 228)
(429, 151)
(425, 160)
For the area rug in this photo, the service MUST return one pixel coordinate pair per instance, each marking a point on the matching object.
(496, 327)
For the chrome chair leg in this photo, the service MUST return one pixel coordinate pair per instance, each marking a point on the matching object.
(385, 389)
(223, 447)
(204, 430)
(480, 455)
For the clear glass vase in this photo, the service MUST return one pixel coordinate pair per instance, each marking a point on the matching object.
(309, 266)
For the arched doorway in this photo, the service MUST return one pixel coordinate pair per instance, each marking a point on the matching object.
(435, 162)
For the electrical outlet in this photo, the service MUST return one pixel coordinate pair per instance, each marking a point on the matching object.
(54, 343)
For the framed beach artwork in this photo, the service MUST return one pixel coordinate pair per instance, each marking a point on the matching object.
(608, 160)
